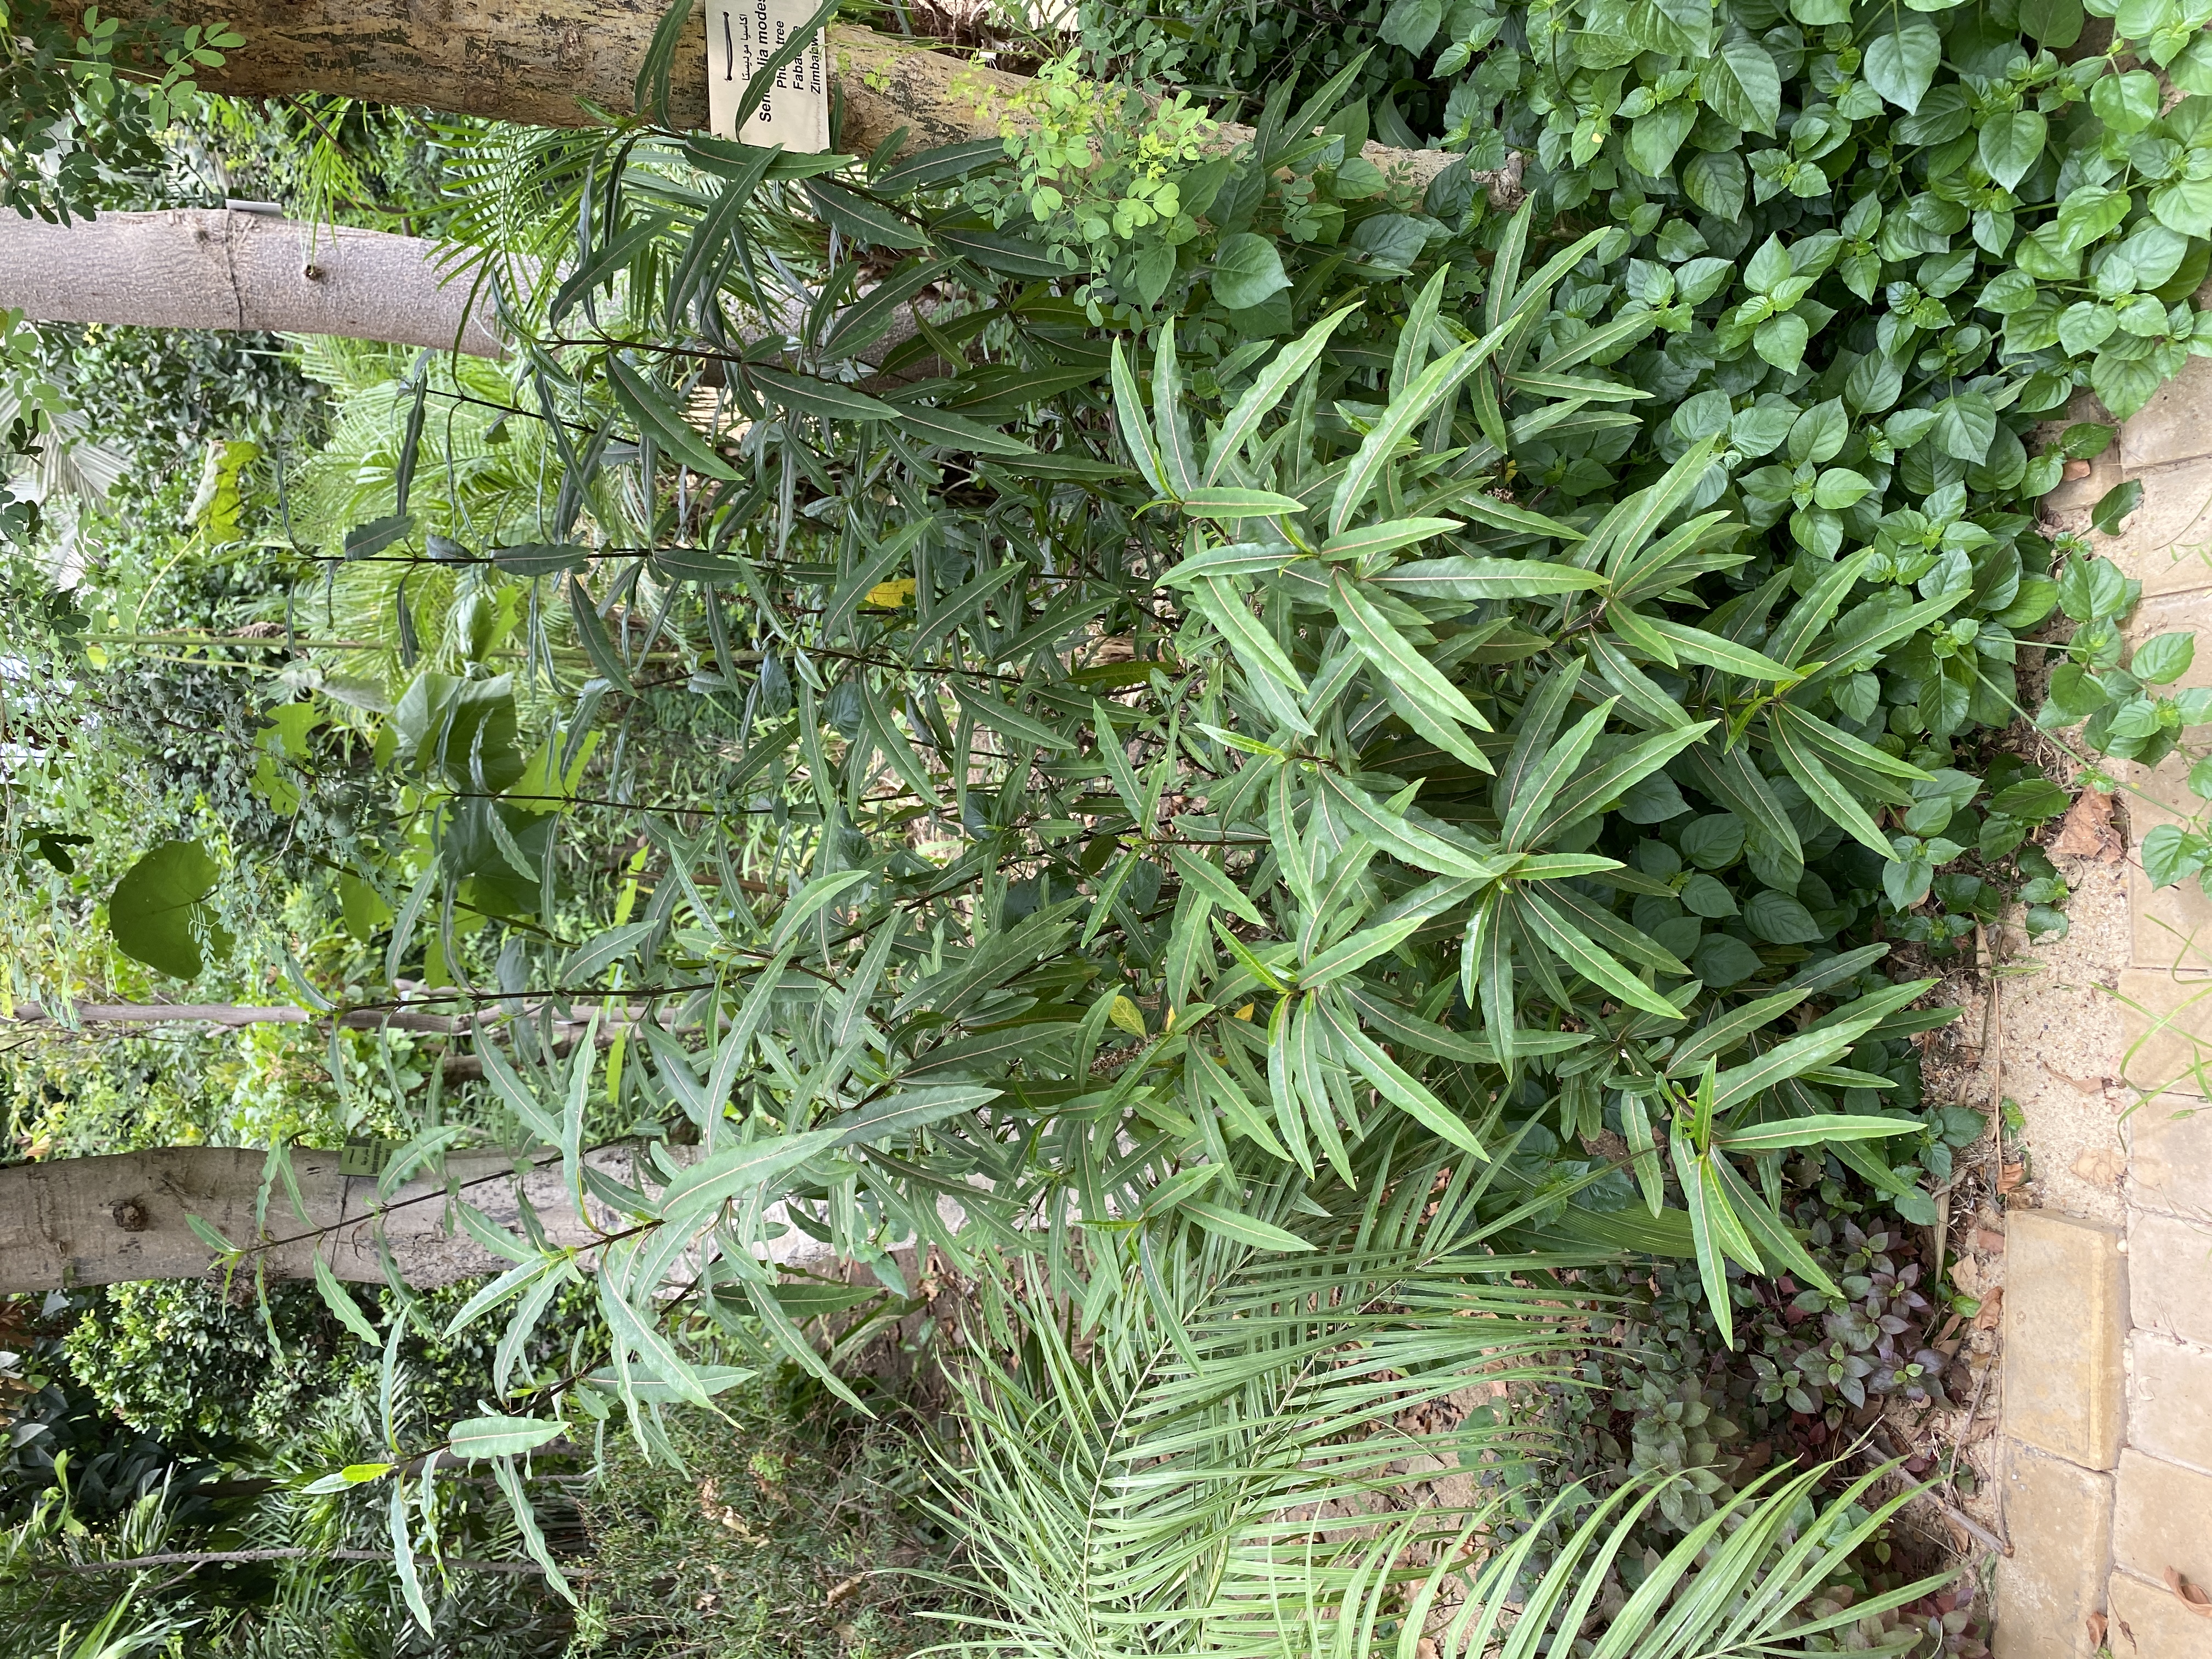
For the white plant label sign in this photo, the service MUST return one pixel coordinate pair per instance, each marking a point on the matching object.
(742, 35)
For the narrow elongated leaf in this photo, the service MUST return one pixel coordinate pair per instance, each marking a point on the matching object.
(1211, 880)
(347, 1309)
(1695, 645)
(480, 1438)
(1576, 950)
(710, 1184)
(1396, 657)
(1267, 392)
(907, 1109)
(1821, 1130)
(1396, 1085)
(1461, 577)
(1241, 1229)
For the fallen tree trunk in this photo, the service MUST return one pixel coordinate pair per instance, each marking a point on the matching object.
(551, 64)
(104, 1220)
(231, 269)
(108, 1220)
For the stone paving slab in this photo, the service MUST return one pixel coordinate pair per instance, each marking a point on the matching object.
(2167, 542)
(2159, 1511)
(2148, 1621)
(2172, 426)
(2170, 1400)
(2166, 1019)
(2170, 1284)
(2061, 1522)
(2170, 1156)
(2065, 1332)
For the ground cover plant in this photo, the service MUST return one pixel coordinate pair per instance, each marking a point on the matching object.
(1199, 717)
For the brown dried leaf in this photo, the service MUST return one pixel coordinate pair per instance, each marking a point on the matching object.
(2010, 1176)
(1991, 1314)
(2087, 830)
(2191, 1597)
(2096, 1624)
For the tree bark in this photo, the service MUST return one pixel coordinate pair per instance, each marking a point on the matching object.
(105, 1220)
(229, 270)
(550, 63)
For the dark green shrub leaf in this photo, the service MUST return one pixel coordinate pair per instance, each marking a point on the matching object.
(1780, 919)
(1713, 842)
(1246, 272)
(1722, 960)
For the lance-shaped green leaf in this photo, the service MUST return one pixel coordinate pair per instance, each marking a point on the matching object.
(1225, 502)
(1398, 659)
(1725, 1033)
(1486, 509)
(1208, 878)
(1701, 1196)
(708, 1184)
(1408, 842)
(479, 1437)
(1611, 933)
(1695, 645)
(1643, 694)
(633, 1335)
(1840, 746)
(946, 431)
(1603, 784)
(1255, 648)
(1386, 537)
(1252, 964)
(1868, 630)
(1010, 722)
(347, 1309)
(1629, 528)
(1821, 1129)
(1240, 1229)
(1644, 1153)
(1361, 948)
(1547, 775)
(1769, 1234)
(402, 1557)
(1816, 1046)
(1464, 577)
(1268, 390)
(1573, 949)
(661, 419)
(1396, 1085)
(909, 1109)
(1439, 380)
(1136, 432)
(1838, 805)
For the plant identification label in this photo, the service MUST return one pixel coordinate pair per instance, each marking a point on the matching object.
(742, 35)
